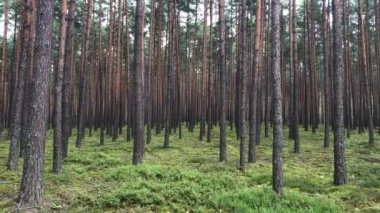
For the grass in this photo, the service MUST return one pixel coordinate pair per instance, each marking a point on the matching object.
(189, 178)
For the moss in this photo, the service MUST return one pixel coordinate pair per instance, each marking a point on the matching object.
(189, 177)
(265, 200)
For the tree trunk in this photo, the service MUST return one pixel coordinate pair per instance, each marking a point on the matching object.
(294, 70)
(209, 82)
(312, 67)
(254, 114)
(116, 77)
(57, 147)
(277, 98)
(242, 82)
(138, 84)
(149, 92)
(85, 77)
(23, 72)
(340, 175)
(365, 71)
(37, 108)
(377, 24)
(326, 59)
(204, 74)
(101, 76)
(223, 83)
(67, 69)
(170, 73)
(3, 70)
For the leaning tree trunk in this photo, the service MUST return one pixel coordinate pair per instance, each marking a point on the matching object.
(37, 109)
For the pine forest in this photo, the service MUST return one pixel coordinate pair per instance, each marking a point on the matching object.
(190, 106)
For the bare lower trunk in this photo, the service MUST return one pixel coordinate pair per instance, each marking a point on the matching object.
(223, 79)
(278, 182)
(254, 114)
(23, 70)
(57, 147)
(242, 83)
(37, 109)
(340, 174)
(138, 72)
(67, 69)
(326, 48)
(85, 77)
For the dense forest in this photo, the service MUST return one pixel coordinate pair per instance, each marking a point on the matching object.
(190, 105)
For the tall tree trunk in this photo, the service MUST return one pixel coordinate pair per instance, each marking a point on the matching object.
(350, 91)
(3, 70)
(209, 82)
(16, 55)
(138, 84)
(102, 70)
(57, 147)
(340, 174)
(67, 69)
(326, 59)
(204, 74)
(37, 108)
(170, 72)
(23, 73)
(85, 77)
(277, 98)
(294, 70)
(110, 69)
(365, 71)
(116, 76)
(377, 24)
(194, 82)
(179, 83)
(313, 67)
(223, 83)
(128, 80)
(149, 92)
(14, 65)
(242, 81)
(266, 75)
(306, 69)
(159, 67)
(254, 114)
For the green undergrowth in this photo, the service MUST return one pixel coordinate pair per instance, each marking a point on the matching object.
(188, 177)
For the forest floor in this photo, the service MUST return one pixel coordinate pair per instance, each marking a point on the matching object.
(188, 177)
